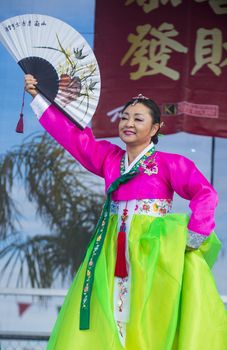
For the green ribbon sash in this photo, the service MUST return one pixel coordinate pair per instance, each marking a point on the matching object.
(99, 237)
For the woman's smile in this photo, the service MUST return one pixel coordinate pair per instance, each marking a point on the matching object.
(129, 132)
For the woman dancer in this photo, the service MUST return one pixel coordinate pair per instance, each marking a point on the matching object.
(145, 282)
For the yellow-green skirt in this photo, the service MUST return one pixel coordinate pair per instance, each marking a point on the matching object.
(174, 303)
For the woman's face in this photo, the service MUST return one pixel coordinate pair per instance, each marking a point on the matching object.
(136, 126)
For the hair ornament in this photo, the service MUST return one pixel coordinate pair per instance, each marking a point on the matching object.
(139, 97)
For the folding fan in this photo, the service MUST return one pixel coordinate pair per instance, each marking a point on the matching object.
(59, 58)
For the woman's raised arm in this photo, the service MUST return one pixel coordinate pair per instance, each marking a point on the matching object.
(81, 144)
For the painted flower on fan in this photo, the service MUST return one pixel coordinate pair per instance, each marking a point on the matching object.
(68, 53)
(69, 89)
(91, 68)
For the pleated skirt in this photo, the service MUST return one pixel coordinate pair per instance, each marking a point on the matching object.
(174, 302)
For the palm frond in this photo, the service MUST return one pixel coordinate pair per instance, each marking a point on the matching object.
(67, 199)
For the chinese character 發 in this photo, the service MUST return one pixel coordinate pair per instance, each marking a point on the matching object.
(208, 50)
(218, 6)
(150, 50)
(151, 5)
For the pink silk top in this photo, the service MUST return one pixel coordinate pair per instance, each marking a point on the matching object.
(175, 172)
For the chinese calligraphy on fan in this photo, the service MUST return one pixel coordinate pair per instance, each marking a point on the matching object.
(151, 48)
(24, 23)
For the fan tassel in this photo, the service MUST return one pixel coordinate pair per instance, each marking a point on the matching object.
(20, 124)
(121, 267)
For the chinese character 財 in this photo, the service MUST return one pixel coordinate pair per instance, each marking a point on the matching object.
(150, 50)
(208, 50)
(218, 6)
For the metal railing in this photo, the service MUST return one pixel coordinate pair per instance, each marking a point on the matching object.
(47, 292)
(11, 340)
(23, 341)
(40, 292)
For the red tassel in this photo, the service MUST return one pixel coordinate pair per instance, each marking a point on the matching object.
(20, 124)
(121, 267)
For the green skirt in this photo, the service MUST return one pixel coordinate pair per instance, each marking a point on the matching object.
(174, 303)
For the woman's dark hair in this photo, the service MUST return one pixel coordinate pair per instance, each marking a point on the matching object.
(154, 111)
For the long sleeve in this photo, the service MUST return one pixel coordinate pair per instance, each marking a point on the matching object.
(189, 183)
(81, 144)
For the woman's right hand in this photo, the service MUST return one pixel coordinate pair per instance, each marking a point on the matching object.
(30, 85)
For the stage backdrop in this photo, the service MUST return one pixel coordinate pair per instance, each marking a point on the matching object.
(174, 52)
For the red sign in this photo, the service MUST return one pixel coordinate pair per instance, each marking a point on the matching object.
(174, 52)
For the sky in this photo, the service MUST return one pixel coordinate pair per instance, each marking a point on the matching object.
(80, 14)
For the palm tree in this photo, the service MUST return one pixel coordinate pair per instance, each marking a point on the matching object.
(67, 199)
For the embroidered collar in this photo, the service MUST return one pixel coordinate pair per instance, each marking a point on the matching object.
(147, 152)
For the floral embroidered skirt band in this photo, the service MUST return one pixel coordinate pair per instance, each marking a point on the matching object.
(152, 207)
(167, 299)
